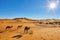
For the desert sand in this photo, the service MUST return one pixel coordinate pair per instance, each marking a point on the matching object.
(14, 29)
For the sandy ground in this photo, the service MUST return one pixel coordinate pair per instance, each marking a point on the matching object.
(36, 31)
(38, 34)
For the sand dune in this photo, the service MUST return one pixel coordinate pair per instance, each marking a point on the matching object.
(39, 29)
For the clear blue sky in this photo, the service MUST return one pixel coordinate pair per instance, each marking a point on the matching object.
(35, 9)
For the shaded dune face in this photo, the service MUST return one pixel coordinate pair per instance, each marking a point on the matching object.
(27, 29)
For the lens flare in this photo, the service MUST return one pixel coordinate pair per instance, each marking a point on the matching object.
(52, 5)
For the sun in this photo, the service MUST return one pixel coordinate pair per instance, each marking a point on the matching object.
(52, 5)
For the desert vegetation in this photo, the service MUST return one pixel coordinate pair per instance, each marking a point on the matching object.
(19, 26)
(17, 36)
(9, 27)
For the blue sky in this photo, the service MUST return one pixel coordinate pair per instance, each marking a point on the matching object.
(35, 9)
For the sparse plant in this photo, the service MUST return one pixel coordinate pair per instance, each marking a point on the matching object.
(26, 29)
(19, 26)
(9, 27)
(40, 22)
(17, 36)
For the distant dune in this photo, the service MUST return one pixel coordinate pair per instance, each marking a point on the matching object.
(29, 29)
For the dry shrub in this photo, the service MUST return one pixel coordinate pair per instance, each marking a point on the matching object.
(17, 36)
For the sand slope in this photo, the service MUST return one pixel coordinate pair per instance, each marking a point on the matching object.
(37, 31)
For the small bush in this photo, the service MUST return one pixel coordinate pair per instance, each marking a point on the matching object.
(17, 36)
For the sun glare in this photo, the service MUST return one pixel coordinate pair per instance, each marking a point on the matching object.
(52, 5)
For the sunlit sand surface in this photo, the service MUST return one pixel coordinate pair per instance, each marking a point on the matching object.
(37, 29)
